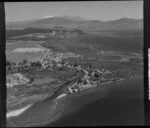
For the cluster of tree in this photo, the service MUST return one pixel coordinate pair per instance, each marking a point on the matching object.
(36, 64)
(24, 65)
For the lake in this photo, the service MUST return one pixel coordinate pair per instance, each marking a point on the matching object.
(120, 103)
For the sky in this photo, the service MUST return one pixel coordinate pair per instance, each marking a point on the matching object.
(96, 10)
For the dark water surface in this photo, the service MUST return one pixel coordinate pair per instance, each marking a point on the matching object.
(117, 104)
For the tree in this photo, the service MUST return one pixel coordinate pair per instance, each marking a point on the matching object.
(36, 64)
(62, 62)
(79, 80)
(31, 79)
(25, 61)
(8, 63)
(75, 64)
(96, 75)
(13, 63)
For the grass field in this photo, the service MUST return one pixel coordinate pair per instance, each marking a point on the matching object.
(17, 52)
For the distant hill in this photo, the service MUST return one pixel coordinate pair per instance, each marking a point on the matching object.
(84, 24)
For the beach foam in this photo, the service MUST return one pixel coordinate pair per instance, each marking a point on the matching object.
(62, 95)
(17, 112)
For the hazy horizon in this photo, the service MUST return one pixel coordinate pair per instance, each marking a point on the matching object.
(93, 10)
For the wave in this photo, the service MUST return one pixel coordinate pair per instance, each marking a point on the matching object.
(17, 112)
(62, 95)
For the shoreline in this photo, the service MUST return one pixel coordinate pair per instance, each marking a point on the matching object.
(20, 111)
(95, 95)
(62, 100)
(90, 92)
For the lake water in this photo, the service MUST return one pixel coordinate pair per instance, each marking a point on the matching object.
(120, 103)
(117, 104)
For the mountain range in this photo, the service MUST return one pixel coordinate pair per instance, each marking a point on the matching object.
(77, 21)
